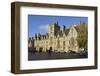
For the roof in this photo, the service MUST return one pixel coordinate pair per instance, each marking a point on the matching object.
(66, 32)
(80, 28)
(61, 32)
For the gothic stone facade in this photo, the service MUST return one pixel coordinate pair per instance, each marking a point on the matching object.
(57, 39)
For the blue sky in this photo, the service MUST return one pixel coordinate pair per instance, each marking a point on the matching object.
(39, 23)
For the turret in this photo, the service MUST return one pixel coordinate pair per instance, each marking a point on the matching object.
(35, 36)
(53, 29)
(64, 27)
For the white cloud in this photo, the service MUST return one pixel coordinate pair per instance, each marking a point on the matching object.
(44, 27)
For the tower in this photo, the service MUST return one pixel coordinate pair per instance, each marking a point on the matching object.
(53, 29)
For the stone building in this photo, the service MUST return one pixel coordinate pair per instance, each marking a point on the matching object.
(59, 40)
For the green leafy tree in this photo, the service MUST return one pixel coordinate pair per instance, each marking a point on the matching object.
(82, 35)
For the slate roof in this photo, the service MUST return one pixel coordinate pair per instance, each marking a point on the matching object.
(61, 32)
(80, 28)
(67, 31)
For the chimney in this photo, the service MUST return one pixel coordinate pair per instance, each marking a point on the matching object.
(64, 27)
(35, 36)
